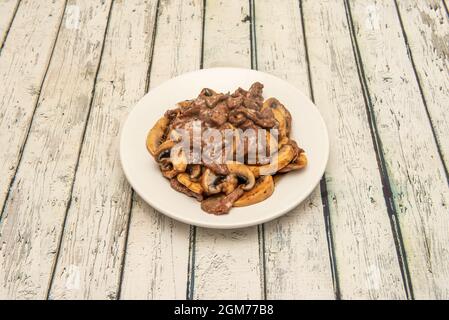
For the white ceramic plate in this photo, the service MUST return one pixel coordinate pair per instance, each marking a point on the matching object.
(143, 173)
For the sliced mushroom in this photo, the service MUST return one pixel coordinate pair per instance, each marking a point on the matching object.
(299, 163)
(283, 141)
(167, 168)
(165, 164)
(194, 171)
(156, 134)
(254, 170)
(176, 156)
(169, 174)
(281, 159)
(163, 151)
(229, 184)
(209, 182)
(184, 179)
(174, 135)
(263, 189)
(243, 172)
(178, 159)
(277, 177)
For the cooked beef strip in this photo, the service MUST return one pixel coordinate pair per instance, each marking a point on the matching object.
(221, 204)
(219, 114)
(192, 110)
(234, 102)
(255, 91)
(199, 102)
(214, 100)
(248, 124)
(250, 99)
(217, 168)
(239, 92)
(296, 149)
(264, 119)
(251, 104)
(211, 97)
(236, 118)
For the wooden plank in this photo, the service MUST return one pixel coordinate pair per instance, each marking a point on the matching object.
(92, 249)
(158, 247)
(426, 27)
(23, 63)
(296, 250)
(365, 253)
(8, 10)
(34, 213)
(226, 262)
(418, 183)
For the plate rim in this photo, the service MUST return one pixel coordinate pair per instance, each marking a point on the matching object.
(254, 222)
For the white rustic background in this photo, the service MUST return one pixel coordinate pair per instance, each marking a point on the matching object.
(377, 226)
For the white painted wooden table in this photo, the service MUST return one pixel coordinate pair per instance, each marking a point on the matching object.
(377, 227)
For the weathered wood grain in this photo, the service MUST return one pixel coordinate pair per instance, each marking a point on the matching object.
(34, 213)
(158, 247)
(296, 250)
(23, 62)
(7, 13)
(426, 26)
(61, 136)
(226, 262)
(419, 186)
(92, 248)
(365, 253)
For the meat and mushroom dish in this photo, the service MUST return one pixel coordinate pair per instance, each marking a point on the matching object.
(225, 149)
